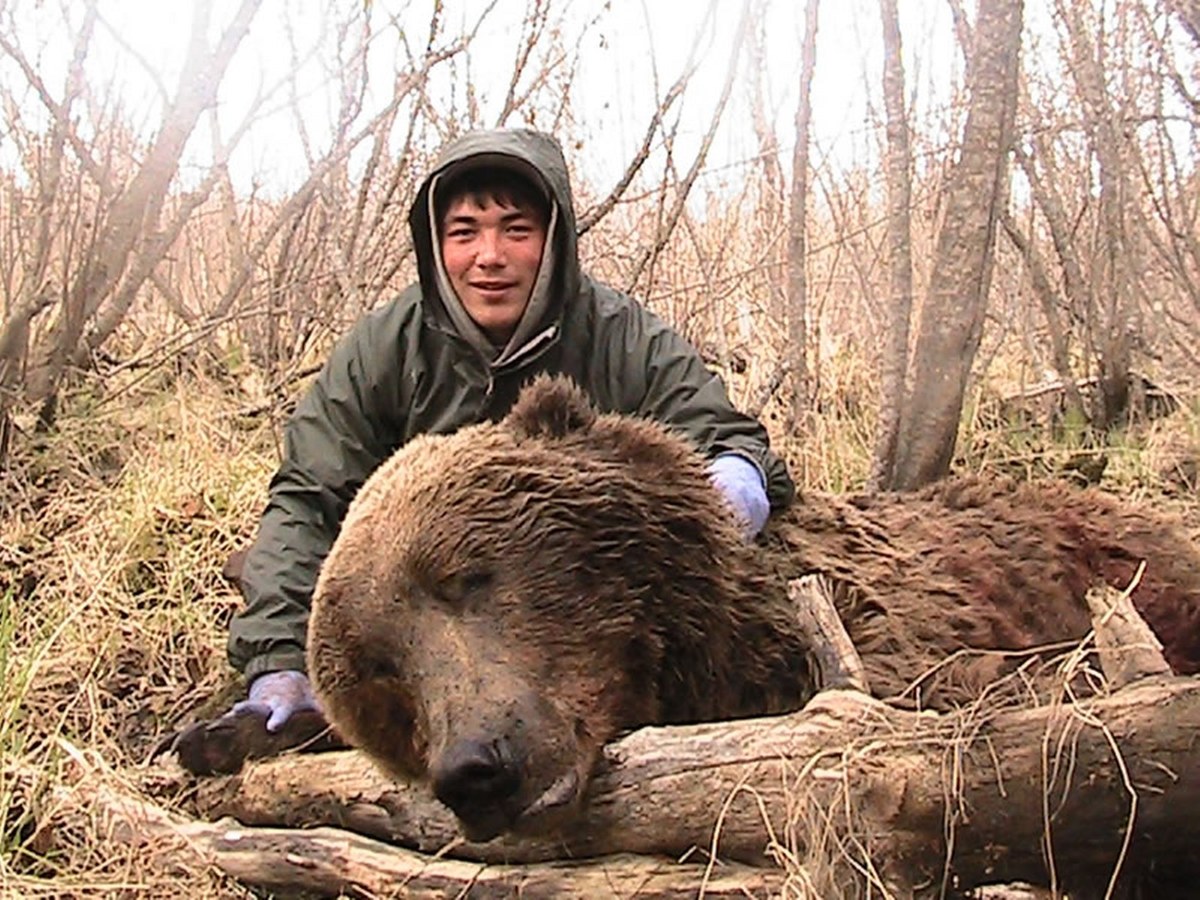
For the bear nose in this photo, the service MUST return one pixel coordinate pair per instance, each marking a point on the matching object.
(474, 778)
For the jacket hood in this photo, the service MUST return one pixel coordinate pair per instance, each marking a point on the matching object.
(533, 153)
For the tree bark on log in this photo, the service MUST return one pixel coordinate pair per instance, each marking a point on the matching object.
(1127, 648)
(1068, 793)
(837, 661)
(335, 862)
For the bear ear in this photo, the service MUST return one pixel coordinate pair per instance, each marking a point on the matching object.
(550, 407)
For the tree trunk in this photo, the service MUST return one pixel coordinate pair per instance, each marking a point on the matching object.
(1105, 121)
(893, 364)
(951, 322)
(797, 217)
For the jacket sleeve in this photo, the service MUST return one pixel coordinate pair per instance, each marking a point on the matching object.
(673, 385)
(331, 444)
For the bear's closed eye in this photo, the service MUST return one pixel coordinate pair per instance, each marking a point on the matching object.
(461, 587)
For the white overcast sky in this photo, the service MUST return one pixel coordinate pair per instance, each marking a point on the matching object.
(613, 99)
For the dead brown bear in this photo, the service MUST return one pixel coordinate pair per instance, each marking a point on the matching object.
(503, 601)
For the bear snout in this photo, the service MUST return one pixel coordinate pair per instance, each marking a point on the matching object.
(478, 780)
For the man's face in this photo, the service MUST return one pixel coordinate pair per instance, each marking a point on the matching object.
(492, 254)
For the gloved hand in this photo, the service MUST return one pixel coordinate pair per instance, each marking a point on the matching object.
(278, 695)
(741, 484)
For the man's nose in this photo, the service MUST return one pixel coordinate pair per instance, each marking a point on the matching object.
(491, 249)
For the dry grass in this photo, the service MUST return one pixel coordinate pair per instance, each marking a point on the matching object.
(112, 612)
(113, 615)
(831, 846)
(1156, 462)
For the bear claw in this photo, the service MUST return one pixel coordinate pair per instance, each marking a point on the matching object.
(221, 746)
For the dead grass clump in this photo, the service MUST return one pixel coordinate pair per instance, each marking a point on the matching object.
(112, 611)
(1161, 460)
(831, 449)
(1156, 461)
(839, 842)
(78, 849)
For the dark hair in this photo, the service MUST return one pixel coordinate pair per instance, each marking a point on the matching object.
(490, 184)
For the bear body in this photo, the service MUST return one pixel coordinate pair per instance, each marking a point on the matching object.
(504, 600)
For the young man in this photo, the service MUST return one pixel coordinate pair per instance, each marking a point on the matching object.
(500, 298)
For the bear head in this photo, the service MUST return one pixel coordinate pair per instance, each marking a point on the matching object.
(502, 601)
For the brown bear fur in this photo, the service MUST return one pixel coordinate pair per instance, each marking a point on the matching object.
(985, 564)
(503, 601)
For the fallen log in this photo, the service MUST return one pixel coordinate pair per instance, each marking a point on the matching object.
(1079, 793)
(1084, 793)
(334, 862)
(1127, 648)
(837, 663)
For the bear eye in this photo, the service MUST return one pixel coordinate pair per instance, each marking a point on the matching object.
(466, 585)
(475, 581)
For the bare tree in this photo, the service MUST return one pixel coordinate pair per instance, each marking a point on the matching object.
(131, 232)
(1166, 166)
(894, 360)
(1107, 238)
(797, 247)
(589, 219)
(670, 218)
(1048, 299)
(952, 315)
(1112, 315)
(224, 276)
(769, 213)
(33, 292)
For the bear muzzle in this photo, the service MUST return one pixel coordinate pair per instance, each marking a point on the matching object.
(479, 780)
(498, 784)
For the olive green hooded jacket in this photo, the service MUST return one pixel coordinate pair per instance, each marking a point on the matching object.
(413, 366)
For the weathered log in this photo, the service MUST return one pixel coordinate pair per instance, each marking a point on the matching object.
(335, 862)
(1078, 792)
(838, 663)
(1127, 648)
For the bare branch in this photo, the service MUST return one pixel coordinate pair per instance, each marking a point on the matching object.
(592, 217)
(683, 190)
